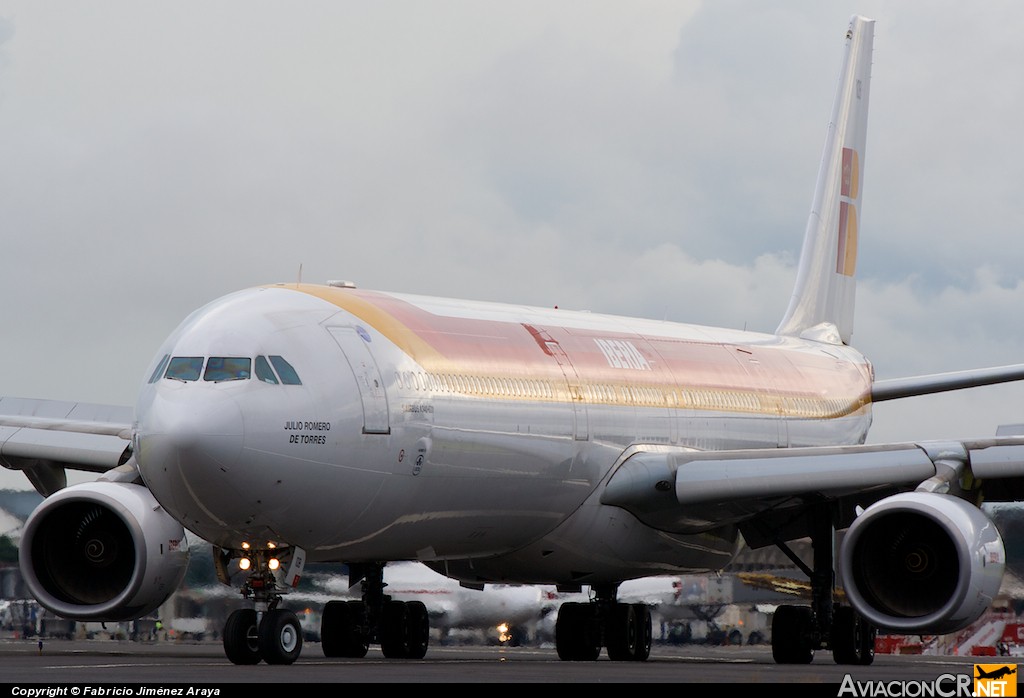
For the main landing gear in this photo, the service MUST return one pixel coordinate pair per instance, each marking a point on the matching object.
(796, 634)
(349, 627)
(624, 629)
(798, 631)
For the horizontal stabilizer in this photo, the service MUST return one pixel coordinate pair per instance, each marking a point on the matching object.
(940, 382)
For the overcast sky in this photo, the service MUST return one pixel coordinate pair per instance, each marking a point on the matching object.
(646, 158)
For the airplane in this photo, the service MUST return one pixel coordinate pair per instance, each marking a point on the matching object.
(501, 614)
(996, 674)
(297, 423)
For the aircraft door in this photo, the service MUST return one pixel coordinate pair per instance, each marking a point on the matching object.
(354, 343)
(551, 347)
(581, 427)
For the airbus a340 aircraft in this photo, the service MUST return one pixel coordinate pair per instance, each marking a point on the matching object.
(293, 423)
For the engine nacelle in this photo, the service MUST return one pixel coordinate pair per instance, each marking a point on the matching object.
(102, 551)
(920, 562)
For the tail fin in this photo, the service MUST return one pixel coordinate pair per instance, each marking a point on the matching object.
(823, 299)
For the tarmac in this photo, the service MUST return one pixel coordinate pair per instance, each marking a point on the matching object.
(126, 668)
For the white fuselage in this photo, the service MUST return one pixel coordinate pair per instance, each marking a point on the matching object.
(443, 431)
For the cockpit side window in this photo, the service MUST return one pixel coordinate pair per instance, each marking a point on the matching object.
(264, 372)
(221, 368)
(184, 368)
(158, 372)
(285, 370)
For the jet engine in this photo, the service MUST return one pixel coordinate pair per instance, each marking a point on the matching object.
(921, 562)
(102, 551)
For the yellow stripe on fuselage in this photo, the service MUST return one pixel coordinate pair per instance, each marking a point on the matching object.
(534, 375)
(379, 319)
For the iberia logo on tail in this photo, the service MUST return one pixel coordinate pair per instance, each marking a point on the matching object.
(846, 256)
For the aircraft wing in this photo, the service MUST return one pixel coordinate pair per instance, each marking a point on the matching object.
(683, 490)
(42, 438)
(686, 491)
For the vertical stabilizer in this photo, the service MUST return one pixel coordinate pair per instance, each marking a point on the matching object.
(823, 299)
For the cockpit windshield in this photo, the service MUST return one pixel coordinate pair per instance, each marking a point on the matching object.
(226, 368)
(220, 368)
(184, 368)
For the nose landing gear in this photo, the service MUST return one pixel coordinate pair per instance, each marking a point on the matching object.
(276, 638)
(264, 632)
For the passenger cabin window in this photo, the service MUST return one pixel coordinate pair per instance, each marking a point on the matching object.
(184, 368)
(221, 368)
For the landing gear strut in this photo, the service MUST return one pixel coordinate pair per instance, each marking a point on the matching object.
(624, 629)
(349, 627)
(798, 631)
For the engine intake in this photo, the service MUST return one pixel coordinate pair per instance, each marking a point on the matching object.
(102, 551)
(920, 562)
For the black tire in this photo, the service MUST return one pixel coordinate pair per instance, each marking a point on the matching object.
(280, 637)
(843, 636)
(332, 628)
(417, 630)
(646, 635)
(343, 630)
(565, 632)
(791, 635)
(621, 633)
(394, 640)
(866, 639)
(852, 638)
(241, 637)
(576, 637)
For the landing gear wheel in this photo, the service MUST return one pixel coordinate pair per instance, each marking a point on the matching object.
(417, 629)
(843, 636)
(394, 640)
(576, 637)
(853, 638)
(241, 637)
(644, 636)
(280, 637)
(404, 630)
(343, 629)
(868, 634)
(791, 635)
(621, 632)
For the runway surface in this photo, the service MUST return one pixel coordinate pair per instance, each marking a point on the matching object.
(75, 663)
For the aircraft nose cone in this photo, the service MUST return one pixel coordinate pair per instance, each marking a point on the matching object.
(188, 440)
